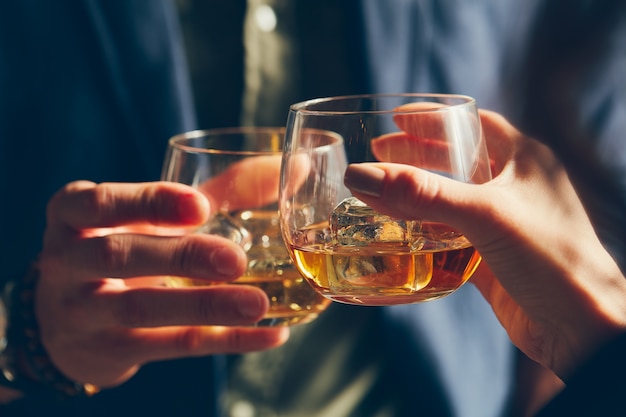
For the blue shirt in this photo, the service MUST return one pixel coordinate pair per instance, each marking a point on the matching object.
(93, 89)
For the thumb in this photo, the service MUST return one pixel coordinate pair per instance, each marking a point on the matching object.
(411, 193)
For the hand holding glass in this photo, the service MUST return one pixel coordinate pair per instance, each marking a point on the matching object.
(238, 170)
(345, 249)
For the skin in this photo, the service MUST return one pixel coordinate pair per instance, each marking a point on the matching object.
(102, 303)
(100, 313)
(250, 183)
(558, 293)
(549, 280)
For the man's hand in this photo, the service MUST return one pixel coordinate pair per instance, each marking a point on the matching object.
(99, 303)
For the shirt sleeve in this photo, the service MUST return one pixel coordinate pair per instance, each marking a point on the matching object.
(597, 388)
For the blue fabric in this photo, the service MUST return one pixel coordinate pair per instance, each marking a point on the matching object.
(556, 69)
(597, 388)
(91, 90)
(465, 349)
(116, 68)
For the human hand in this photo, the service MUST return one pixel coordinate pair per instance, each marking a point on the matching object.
(249, 183)
(558, 293)
(252, 182)
(100, 314)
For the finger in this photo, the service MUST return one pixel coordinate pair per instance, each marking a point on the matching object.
(249, 183)
(115, 306)
(199, 256)
(84, 204)
(430, 140)
(500, 137)
(297, 169)
(421, 119)
(411, 193)
(402, 148)
(120, 353)
(175, 342)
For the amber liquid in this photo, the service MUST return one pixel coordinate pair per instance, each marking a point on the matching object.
(292, 299)
(386, 274)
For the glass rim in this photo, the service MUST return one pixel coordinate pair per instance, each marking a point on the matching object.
(180, 140)
(304, 107)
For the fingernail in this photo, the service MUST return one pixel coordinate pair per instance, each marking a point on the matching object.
(251, 305)
(365, 179)
(226, 261)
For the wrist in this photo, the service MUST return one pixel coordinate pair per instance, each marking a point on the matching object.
(13, 387)
(6, 394)
(24, 361)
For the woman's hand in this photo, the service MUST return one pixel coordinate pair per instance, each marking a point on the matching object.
(558, 293)
(100, 306)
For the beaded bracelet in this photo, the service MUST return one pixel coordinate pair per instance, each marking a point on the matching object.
(23, 331)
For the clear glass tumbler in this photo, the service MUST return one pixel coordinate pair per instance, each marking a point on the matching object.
(346, 250)
(238, 170)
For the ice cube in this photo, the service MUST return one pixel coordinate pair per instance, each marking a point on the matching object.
(267, 256)
(373, 253)
(353, 223)
(224, 225)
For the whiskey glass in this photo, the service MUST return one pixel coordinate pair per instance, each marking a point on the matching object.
(346, 250)
(238, 170)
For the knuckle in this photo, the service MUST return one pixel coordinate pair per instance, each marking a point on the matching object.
(97, 200)
(57, 200)
(113, 252)
(235, 340)
(419, 191)
(206, 310)
(189, 340)
(151, 203)
(130, 312)
(185, 254)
